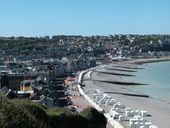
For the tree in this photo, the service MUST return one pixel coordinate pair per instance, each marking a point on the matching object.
(96, 119)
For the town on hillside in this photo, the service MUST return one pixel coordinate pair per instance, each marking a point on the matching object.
(42, 68)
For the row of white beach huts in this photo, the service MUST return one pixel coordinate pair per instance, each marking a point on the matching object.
(119, 111)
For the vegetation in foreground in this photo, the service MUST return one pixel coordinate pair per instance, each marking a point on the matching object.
(25, 114)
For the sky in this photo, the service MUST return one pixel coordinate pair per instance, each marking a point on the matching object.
(83, 17)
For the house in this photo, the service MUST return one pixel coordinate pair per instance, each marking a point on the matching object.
(26, 85)
(11, 94)
(8, 93)
(12, 81)
(45, 100)
(26, 89)
(4, 90)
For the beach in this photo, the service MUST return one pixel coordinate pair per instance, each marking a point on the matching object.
(111, 80)
(159, 111)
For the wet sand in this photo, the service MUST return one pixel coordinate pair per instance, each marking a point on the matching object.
(159, 111)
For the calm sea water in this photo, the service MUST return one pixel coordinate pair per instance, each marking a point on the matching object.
(157, 76)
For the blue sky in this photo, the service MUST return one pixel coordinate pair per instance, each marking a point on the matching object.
(83, 17)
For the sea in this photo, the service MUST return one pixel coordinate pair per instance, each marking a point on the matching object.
(156, 76)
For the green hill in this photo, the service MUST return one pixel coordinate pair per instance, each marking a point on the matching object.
(25, 114)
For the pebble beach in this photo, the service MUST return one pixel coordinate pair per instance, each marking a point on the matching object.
(159, 111)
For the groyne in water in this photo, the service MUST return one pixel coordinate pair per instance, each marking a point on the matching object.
(127, 67)
(113, 73)
(129, 94)
(120, 82)
(124, 70)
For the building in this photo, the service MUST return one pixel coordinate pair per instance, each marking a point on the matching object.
(12, 81)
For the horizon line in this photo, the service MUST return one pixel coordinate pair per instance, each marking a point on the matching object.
(88, 35)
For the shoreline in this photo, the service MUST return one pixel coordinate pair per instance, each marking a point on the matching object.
(161, 98)
(139, 62)
(147, 60)
(159, 110)
(123, 94)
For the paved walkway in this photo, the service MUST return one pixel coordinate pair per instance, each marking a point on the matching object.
(79, 102)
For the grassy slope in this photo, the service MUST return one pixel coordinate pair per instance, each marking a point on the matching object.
(25, 114)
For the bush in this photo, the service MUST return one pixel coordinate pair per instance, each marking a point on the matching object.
(34, 109)
(12, 116)
(95, 118)
(62, 118)
(25, 114)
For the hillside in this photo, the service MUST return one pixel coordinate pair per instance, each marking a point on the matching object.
(25, 114)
